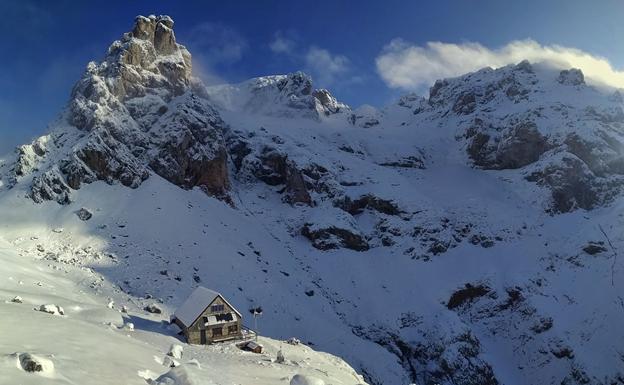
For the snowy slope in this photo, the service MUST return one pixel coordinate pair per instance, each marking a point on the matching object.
(467, 238)
(94, 343)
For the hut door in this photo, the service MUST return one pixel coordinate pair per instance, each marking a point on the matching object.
(202, 336)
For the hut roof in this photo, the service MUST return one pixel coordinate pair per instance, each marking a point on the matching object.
(196, 303)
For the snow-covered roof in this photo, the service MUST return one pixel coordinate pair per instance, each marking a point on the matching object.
(196, 303)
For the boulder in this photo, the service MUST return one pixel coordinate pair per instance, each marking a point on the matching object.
(84, 214)
(35, 364)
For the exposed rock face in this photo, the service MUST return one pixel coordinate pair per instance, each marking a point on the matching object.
(328, 101)
(521, 145)
(266, 162)
(369, 201)
(515, 147)
(435, 358)
(191, 150)
(571, 77)
(334, 237)
(137, 110)
(50, 186)
(334, 229)
(274, 168)
(572, 183)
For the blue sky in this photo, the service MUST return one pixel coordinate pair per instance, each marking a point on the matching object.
(364, 51)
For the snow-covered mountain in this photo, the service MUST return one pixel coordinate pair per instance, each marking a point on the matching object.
(470, 237)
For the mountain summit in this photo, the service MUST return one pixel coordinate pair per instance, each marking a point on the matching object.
(135, 111)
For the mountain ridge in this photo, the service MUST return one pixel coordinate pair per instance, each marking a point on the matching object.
(437, 235)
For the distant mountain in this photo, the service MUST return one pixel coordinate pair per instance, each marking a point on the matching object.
(470, 237)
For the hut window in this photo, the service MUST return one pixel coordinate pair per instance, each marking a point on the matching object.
(224, 317)
(233, 329)
(217, 308)
(216, 332)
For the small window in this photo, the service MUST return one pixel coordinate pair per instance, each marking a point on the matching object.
(217, 332)
(217, 308)
(233, 329)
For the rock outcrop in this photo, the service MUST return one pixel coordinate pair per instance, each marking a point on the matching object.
(333, 229)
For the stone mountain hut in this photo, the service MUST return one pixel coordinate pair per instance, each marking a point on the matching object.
(207, 317)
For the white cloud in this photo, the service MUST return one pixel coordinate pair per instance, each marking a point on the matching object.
(324, 66)
(281, 44)
(412, 67)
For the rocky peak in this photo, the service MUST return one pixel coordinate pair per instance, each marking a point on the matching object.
(137, 111)
(297, 84)
(291, 95)
(465, 94)
(145, 61)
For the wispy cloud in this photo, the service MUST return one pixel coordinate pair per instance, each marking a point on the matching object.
(217, 41)
(214, 45)
(413, 67)
(327, 69)
(282, 44)
(325, 66)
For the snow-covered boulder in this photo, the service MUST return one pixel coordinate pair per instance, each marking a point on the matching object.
(175, 351)
(17, 299)
(153, 308)
(34, 363)
(301, 379)
(186, 374)
(51, 309)
(170, 362)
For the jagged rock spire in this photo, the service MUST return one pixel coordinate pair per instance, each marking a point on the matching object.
(138, 110)
(145, 61)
